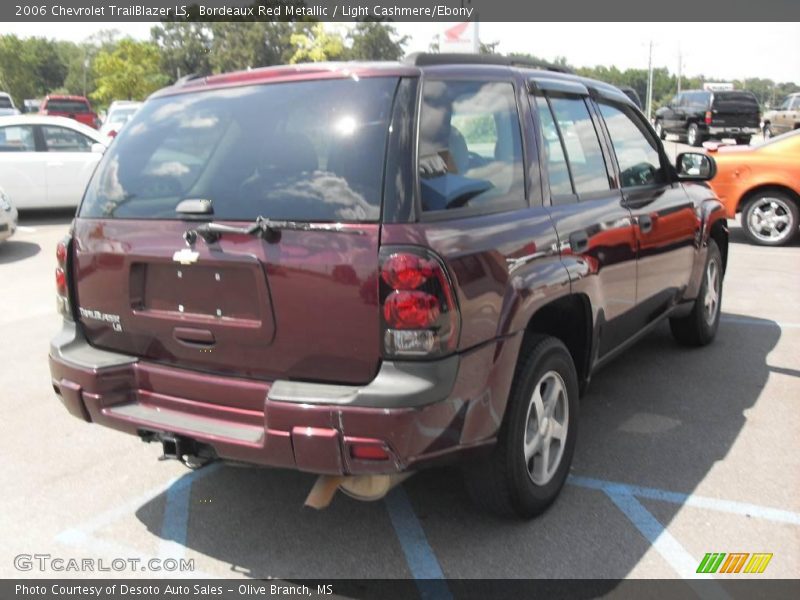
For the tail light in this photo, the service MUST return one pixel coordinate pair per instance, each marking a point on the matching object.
(62, 281)
(708, 117)
(419, 315)
(112, 134)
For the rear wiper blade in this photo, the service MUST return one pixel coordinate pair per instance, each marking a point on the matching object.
(262, 227)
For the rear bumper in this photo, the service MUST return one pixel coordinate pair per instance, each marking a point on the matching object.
(420, 413)
(733, 131)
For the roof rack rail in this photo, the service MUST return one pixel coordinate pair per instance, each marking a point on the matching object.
(187, 78)
(427, 59)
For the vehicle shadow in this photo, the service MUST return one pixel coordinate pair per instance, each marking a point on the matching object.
(49, 216)
(14, 250)
(659, 416)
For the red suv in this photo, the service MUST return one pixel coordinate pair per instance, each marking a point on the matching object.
(73, 107)
(361, 270)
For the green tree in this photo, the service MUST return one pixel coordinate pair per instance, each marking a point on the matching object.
(130, 72)
(242, 45)
(314, 44)
(372, 40)
(184, 47)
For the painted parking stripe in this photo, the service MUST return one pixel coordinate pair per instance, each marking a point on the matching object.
(419, 556)
(761, 322)
(175, 524)
(728, 506)
(665, 544)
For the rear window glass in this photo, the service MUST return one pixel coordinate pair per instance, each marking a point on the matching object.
(306, 151)
(73, 106)
(722, 99)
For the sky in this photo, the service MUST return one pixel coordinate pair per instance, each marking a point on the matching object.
(725, 51)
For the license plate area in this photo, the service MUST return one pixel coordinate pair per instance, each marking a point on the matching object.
(204, 291)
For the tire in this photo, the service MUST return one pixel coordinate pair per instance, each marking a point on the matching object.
(699, 327)
(693, 135)
(768, 132)
(742, 141)
(770, 218)
(662, 135)
(506, 482)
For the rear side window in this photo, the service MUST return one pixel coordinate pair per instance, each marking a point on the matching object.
(557, 169)
(5, 102)
(70, 106)
(470, 147)
(61, 139)
(636, 151)
(585, 156)
(17, 138)
(305, 151)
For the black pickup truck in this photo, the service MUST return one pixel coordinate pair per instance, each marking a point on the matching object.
(697, 115)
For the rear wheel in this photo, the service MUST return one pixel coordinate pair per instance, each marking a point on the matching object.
(662, 135)
(693, 135)
(699, 327)
(770, 218)
(530, 462)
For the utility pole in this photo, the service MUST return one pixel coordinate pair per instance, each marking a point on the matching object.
(680, 68)
(650, 81)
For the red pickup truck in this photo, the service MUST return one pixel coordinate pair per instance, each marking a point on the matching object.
(73, 107)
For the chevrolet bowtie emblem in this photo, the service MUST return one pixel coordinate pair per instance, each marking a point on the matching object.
(185, 256)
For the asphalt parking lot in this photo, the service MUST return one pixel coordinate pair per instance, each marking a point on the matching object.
(680, 453)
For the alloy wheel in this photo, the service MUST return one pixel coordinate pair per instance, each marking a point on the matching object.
(770, 220)
(711, 300)
(546, 427)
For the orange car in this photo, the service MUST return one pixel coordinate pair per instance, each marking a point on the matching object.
(763, 183)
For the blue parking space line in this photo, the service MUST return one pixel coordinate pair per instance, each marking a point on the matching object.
(728, 506)
(175, 523)
(419, 555)
(663, 542)
(761, 322)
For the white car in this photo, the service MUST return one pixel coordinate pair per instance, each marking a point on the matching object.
(46, 162)
(7, 105)
(119, 113)
(8, 217)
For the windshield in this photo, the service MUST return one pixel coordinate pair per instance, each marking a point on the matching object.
(72, 106)
(307, 151)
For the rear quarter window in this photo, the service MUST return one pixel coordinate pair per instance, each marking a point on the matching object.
(306, 151)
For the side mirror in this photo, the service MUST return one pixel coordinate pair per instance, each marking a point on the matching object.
(694, 166)
(98, 148)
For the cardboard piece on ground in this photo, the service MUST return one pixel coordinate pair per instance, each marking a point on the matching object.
(321, 495)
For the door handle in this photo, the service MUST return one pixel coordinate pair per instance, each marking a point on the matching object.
(579, 242)
(645, 223)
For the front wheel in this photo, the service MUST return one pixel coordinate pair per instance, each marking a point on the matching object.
(699, 327)
(530, 462)
(770, 219)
